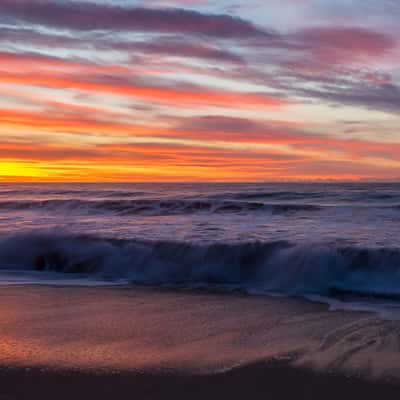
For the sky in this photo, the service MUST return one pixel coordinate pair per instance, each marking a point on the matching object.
(198, 90)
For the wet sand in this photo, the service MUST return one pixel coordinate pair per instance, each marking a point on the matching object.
(59, 342)
(271, 380)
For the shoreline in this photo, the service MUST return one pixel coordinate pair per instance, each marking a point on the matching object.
(60, 332)
(274, 379)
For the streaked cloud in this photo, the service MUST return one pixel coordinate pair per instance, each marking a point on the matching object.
(83, 16)
(194, 90)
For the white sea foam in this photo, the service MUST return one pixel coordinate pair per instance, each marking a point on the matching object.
(278, 266)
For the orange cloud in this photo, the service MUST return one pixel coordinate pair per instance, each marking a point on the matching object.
(64, 118)
(156, 162)
(165, 95)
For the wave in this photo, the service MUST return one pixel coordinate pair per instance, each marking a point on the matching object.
(153, 207)
(278, 266)
(339, 197)
(279, 195)
(71, 192)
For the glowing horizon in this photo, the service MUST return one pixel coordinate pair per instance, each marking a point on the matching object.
(191, 91)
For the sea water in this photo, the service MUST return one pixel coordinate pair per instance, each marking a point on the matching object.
(335, 241)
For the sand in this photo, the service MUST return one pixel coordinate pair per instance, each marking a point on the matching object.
(257, 381)
(59, 342)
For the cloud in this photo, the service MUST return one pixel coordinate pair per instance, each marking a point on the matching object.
(242, 130)
(145, 161)
(342, 44)
(173, 47)
(82, 16)
(164, 46)
(372, 95)
(226, 89)
(149, 161)
(126, 85)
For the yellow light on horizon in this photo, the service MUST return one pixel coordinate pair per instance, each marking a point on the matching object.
(9, 169)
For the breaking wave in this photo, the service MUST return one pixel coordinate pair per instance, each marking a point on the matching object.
(153, 207)
(278, 266)
(72, 192)
(316, 196)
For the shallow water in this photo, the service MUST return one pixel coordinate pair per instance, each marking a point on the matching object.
(191, 332)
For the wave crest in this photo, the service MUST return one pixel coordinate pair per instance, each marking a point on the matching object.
(278, 266)
(153, 207)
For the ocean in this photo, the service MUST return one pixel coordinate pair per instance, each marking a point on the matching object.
(333, 242)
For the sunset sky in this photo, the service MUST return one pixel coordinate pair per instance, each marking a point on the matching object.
(197, 90)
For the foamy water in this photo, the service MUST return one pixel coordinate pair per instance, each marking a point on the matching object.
(331, 240)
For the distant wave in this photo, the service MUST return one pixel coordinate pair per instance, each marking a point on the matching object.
(278, 266)
(320, 197)
(153, 207)
(279, 195)
(73, 192)
(329, 196)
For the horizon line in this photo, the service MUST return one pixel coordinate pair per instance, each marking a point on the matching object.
(202, 182)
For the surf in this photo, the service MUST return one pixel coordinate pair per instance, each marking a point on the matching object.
(276, 266)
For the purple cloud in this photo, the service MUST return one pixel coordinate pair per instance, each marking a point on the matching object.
(81, 16)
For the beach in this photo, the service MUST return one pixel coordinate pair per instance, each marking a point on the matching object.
(257, 381)
(218, 291)
(160, 343)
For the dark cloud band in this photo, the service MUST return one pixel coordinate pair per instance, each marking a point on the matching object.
(88, 17)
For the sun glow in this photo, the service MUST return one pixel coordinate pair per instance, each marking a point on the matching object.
(10, 170)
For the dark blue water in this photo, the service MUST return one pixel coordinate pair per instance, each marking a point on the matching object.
(323, 239)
